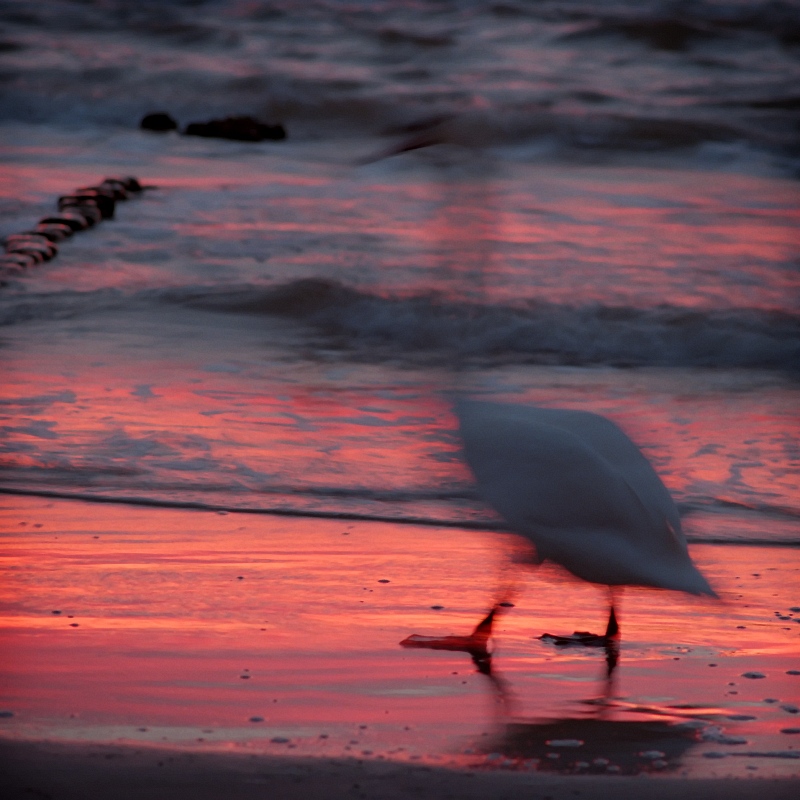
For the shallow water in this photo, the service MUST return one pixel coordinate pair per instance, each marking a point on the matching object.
(200, 347)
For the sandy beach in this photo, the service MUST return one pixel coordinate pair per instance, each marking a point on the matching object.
(145, 635)
(57, 771)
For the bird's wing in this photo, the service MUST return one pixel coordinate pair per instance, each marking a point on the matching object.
(554, 478)
(602, 439)
(622, 455)
(542, 477)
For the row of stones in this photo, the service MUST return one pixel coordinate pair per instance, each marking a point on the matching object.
(82, 209)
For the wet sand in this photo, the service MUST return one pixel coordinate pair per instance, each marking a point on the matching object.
(100, 771)
(246, 645)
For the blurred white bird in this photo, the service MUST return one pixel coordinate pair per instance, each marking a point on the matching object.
(571, 482)
(575, 486)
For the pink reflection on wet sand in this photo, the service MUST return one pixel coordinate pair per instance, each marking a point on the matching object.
(184, 627)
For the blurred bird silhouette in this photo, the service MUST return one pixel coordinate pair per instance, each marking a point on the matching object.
(570, 482)
(581, 492)
(575, 486)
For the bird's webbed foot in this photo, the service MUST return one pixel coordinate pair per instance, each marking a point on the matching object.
(576, 639)
(476, 644)
(586, 639)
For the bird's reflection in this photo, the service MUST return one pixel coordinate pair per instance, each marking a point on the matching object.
(591, 743)
(477, 646)
(626, 747)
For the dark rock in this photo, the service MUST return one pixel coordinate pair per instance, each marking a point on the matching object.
(89, 210)
(84, 203)
(39, 249)
(102, 198)
(116, 187)
(241, 129)
(23, 242)
(130, 183)
(86, 208)
(394, 36)
(790, 103)
(158, 121)
(661, 34)
(789, 36)
(78, 211)
(15, 263)
(55, 232)
(31, 252)
(665, 34)
(26, 237)
(98, 190)
(68, 217)
(18, 261)
(28, 247)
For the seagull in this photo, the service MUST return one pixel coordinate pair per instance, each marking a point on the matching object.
(570, 482)
(583, 494)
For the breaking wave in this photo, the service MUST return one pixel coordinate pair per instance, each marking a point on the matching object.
(428, 329)
(372, 326)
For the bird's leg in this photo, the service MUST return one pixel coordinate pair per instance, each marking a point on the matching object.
(477, 642)
(611, 642)
(483, 630)
(612, 629)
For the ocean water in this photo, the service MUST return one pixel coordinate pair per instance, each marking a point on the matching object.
(272, 326)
